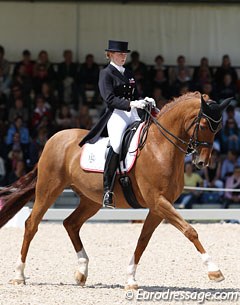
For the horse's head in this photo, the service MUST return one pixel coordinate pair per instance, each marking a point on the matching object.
(203, 130)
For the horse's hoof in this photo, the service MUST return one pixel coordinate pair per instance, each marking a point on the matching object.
(17, 282)
(131, 287)
(80, 278)
(216, 276)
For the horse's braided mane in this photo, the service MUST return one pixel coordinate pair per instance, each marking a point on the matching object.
(179, 99)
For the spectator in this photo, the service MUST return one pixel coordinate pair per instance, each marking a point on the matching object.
(64, 118)
(83, 120)
(188, 197)
(5, 82)
(159, 65)
(23, 79)
(41, 77)
(2, 172)
(182, 80)
(227, 88)
(4, 64)
(230, 136)
(27, 62)
(139, 70)
(18, 127)
(208, 89)
(14, 155)
(67, 74)
(231, 113)
(161, 82)
(204, 64)
(17, 172)
(225, 69)
(43, 60)
(40, 112)
(18, 111)
(88, 80)
(158, 97)
(49, 97)
(37, 145)
(232, 182)
(229, 163)
(177, 72)
(203, 77)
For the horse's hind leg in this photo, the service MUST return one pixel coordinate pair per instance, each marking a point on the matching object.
(47, 192)
(150, 224)
(73, 224)
(166, 210)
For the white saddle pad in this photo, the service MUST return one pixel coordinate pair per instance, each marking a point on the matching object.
(94, 155)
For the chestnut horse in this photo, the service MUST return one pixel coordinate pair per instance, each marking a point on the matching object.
(188, 122)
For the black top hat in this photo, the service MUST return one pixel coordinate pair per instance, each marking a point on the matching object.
(117, 46)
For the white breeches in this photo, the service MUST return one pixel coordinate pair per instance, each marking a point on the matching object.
(118, 123)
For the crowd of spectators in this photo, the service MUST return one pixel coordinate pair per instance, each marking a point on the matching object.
(39, 98)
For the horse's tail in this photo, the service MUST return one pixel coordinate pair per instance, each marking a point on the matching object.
(16, 195)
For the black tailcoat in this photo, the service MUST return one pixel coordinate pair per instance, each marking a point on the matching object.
(117, 90)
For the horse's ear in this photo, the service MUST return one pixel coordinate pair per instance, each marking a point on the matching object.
(204, 105)
(225, 103)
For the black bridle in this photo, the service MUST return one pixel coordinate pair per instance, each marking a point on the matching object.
(193, 144)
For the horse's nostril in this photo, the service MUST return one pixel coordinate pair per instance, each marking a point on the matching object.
(201, 164)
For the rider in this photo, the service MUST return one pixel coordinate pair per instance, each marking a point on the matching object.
(118, 89)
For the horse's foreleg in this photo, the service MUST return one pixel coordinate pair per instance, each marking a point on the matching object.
(165, 209)
(150, 224)
(72, 224)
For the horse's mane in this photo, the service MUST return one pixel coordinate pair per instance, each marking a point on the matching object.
(176, 100)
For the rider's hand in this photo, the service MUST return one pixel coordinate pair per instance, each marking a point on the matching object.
(138, 104)
(150, 101)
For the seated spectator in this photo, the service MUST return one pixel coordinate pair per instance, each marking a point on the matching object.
(5, 82)
(18, 127)
(23, 79)
(36, 146)
(159, 65)
(64, 118)
(160, 81)
(209, 89)
(18, 111)
(230, 136)
(181, 80)
(3, 106)
(177, 72)
(83, 120)
(43, 60)
(232, 182)
(188, 197)
(4, 64)
(225, 69)
(27, 62)
(41, 112)
(49, 97)
(18, 172)
(204, 64)
(67, 76)
(139, 69)
(229, 164)
(203, 77)
(231, 113)
(2, 172)
(41, 77)
(88, 80)
(212, 178)
(14, 155)
(227, 88)
(159, 98)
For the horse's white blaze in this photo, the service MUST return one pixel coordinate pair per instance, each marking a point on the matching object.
(19, 270)
(83, 262)
(207, 261)
(131, 271)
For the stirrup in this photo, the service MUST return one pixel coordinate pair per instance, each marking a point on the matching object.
(108, 200)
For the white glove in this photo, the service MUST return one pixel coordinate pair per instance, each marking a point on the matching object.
(138, 104)
(150, 101)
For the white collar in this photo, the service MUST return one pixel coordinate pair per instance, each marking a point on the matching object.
(121, 69)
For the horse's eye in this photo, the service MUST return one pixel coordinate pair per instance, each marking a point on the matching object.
(202, 127)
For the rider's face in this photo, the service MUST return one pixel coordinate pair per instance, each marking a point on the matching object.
(118, 58)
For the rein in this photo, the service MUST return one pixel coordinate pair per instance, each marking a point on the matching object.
(193, 142)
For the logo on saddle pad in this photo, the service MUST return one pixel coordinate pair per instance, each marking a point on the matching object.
(93, 156)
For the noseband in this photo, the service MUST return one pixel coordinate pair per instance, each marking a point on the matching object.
(193, 144)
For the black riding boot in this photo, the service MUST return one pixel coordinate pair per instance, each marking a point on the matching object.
(110, 168)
